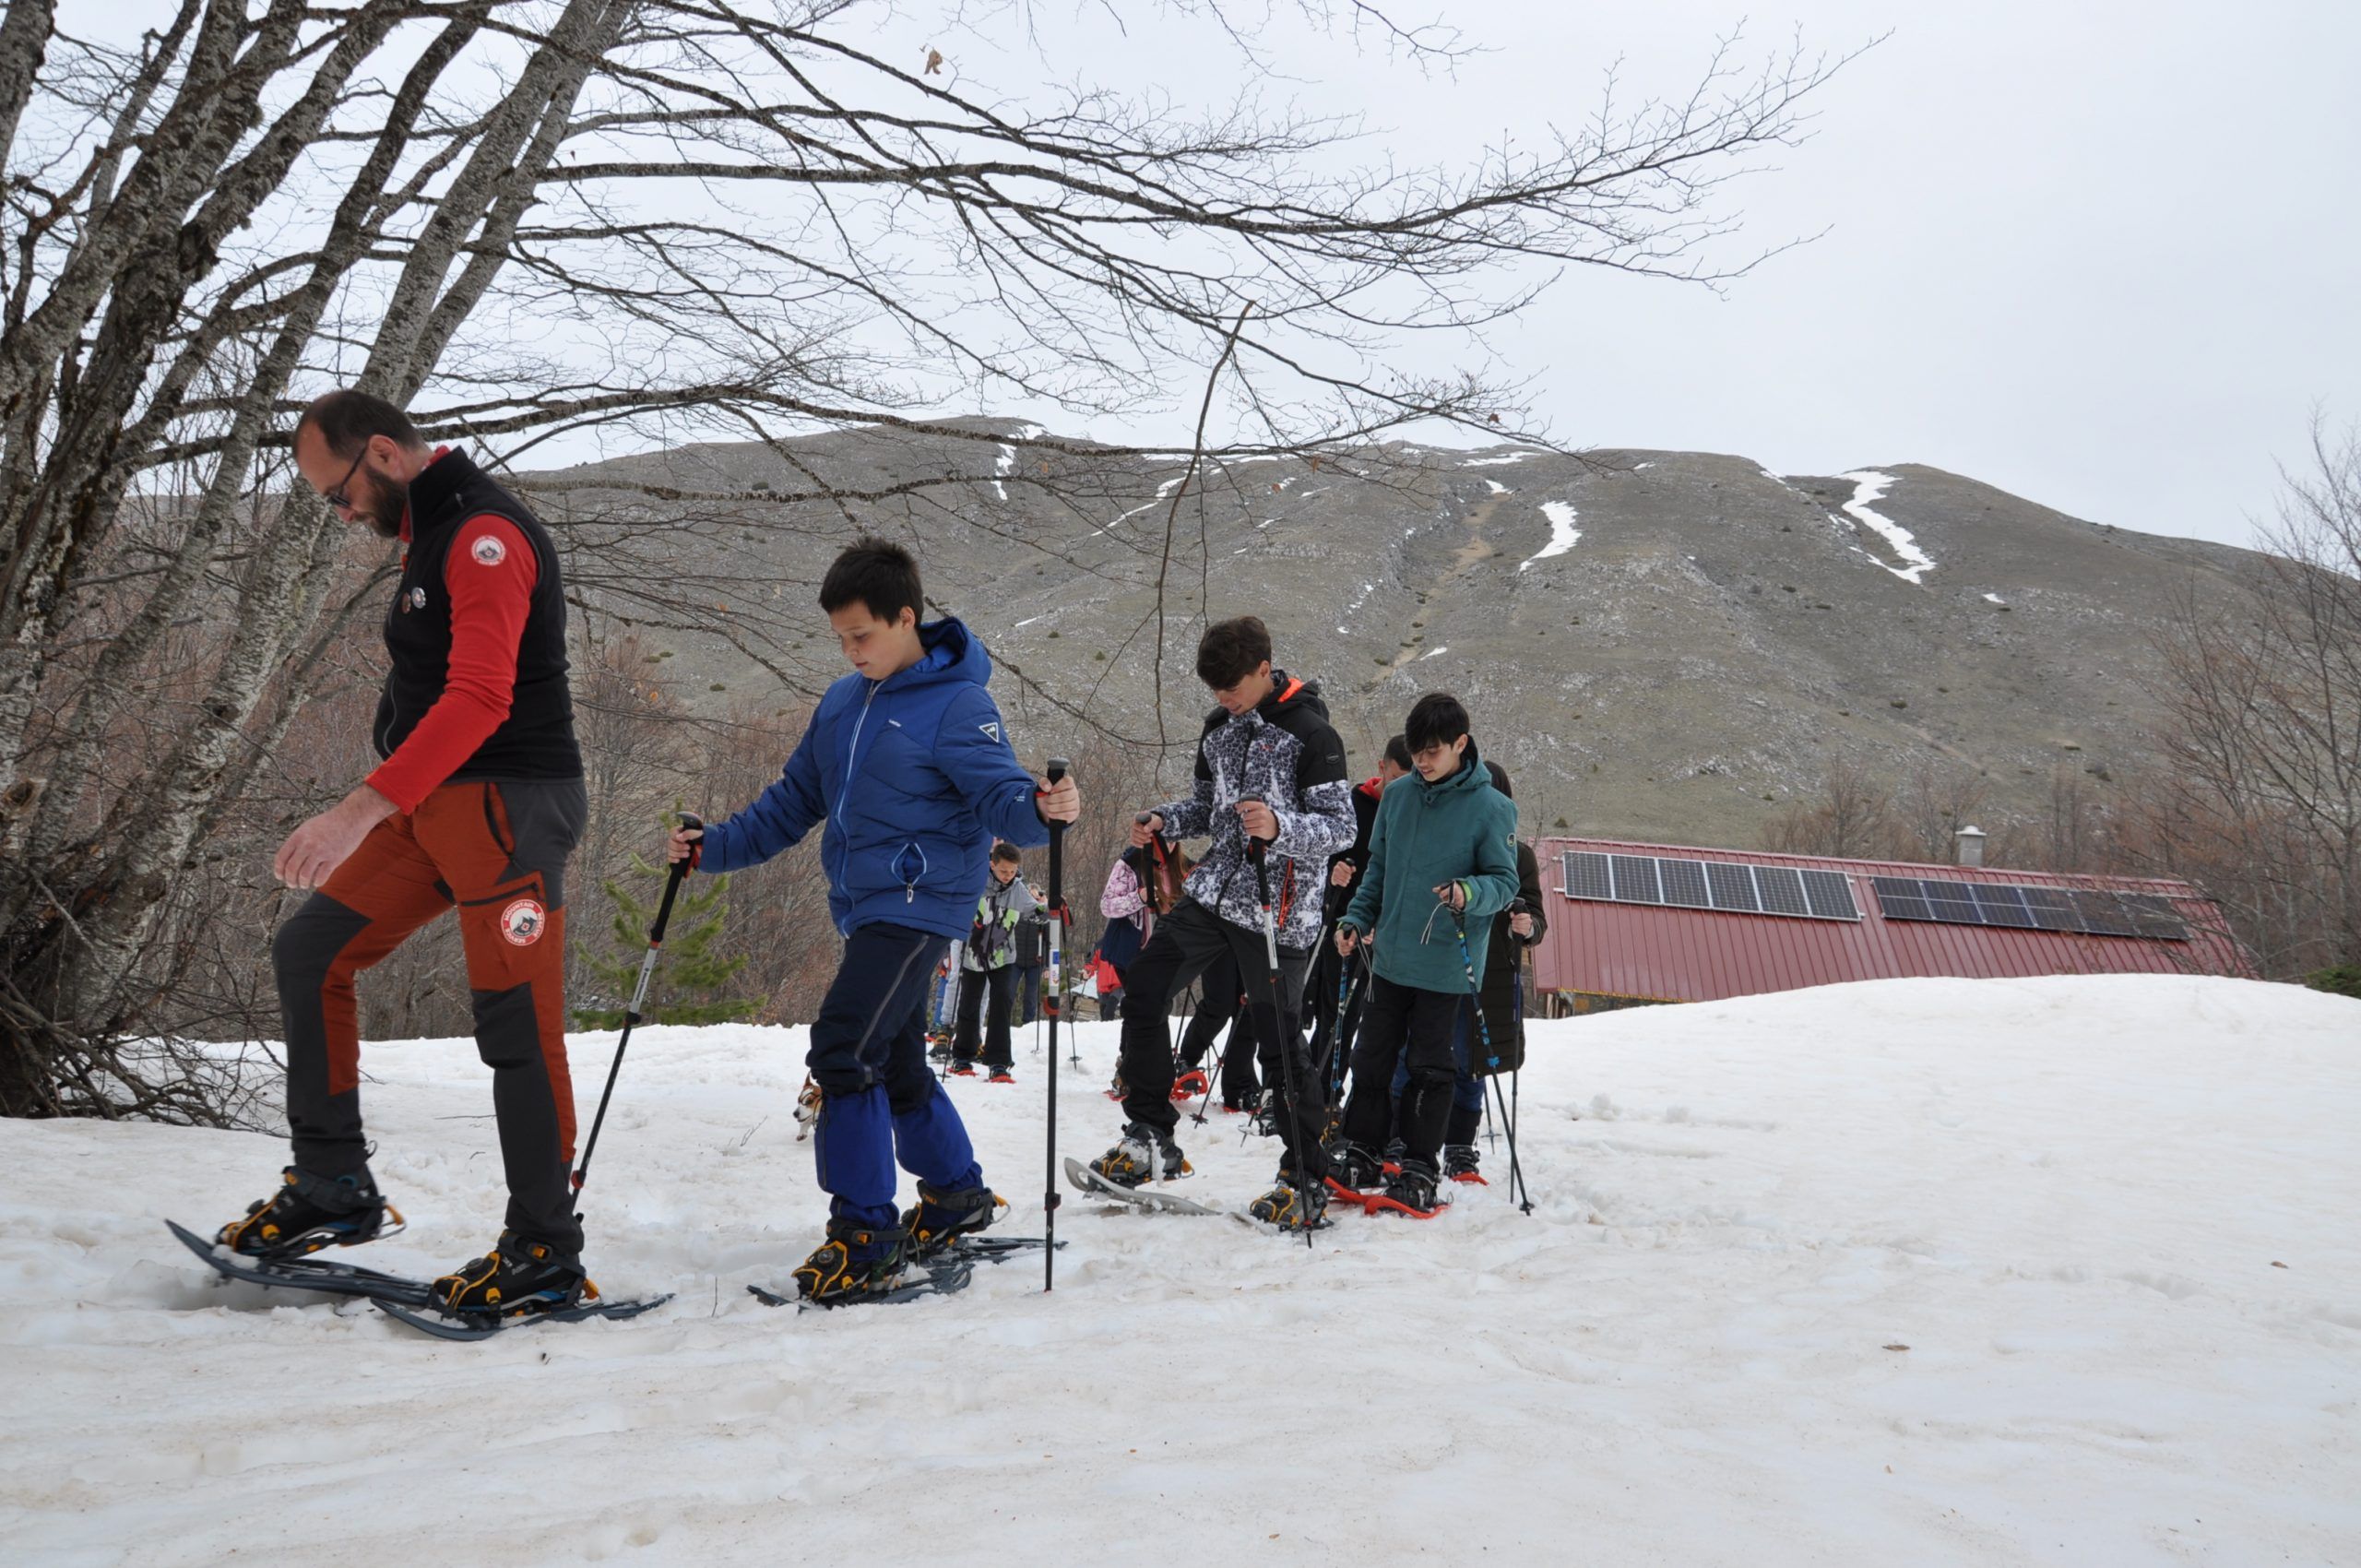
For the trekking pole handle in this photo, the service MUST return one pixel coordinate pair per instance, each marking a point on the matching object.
(680, 873)
(1254, 852)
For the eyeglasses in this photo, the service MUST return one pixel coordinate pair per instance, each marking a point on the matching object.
(337, 498)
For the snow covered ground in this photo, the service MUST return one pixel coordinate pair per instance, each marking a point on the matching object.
(1915, 1272)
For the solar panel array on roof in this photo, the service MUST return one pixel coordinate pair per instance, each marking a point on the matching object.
(1709, 885)
(2081, 911)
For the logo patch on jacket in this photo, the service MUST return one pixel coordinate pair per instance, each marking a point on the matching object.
(523, 920)
(488, 550)
(415, 601)
(991, 730)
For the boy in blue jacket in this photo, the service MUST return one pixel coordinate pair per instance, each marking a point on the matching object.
(906, 764)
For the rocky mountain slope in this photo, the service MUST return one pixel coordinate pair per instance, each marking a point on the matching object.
(1665, 645)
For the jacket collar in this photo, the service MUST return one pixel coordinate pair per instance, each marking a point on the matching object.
(436, 488)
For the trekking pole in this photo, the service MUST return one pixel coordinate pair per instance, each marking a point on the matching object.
(1057, 771)
(679, 874)
(1212, 1080)
(1517, 1189)
(1348, 990)
(1256, 851)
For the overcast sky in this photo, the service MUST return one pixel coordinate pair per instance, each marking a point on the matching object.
(2100, 254)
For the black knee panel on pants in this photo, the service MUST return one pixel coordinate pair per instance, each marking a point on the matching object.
(307, 942)
(507, 1034)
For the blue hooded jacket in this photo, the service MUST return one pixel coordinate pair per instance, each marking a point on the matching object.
(914, 777)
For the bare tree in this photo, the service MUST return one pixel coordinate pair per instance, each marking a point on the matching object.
(525, 218)
(2261, 806)
(1850, 817)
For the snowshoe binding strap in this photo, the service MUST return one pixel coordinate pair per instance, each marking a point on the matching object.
(942, 1217)
(310, 1212)
(516, 1278)
(854, 1260)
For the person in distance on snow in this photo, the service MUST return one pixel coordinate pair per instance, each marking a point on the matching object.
(1442, 853)
(1269, 767)
(906, 764)
(988, 973)
(476, 803)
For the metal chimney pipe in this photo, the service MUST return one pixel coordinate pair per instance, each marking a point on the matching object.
(1968, 846)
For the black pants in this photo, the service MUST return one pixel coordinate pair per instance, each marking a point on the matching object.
(1399, 1020)
(1218, 1008)
(1188, 941)
(497, 853)
(1332, 1047)
(1000, 985)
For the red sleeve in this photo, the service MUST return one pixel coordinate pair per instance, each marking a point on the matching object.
(489, 574)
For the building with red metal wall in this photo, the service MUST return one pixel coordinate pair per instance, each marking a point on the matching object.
(1610, 945)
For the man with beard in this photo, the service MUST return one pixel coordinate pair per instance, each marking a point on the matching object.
(476, 805)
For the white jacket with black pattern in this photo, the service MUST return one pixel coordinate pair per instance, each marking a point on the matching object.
(1286, 754)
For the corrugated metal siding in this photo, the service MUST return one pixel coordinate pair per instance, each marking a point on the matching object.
(1679, 955)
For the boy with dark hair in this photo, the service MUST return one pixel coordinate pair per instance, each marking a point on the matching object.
(905, 762)
(1270, 774)
(988, 973)
(1521, 925)
(1444, 849)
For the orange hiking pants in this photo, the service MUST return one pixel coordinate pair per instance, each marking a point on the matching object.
(498, 852)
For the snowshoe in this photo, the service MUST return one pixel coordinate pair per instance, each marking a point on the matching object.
(1410, 1190)
(938, 1217)
(516, 1278)
(310, 1212)
(1002, 1075)
(1267, 1114)
(1144, 1155)
(1191, 1084)
(938, 1046)
(1116, 1090)
(963, 1069)
(853, 1261)
(1291, 1207)
(1459, 1162)
(1353, 1171)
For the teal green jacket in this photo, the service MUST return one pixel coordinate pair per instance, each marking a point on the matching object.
(1459, 830)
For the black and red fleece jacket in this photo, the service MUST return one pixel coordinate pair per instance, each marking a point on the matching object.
(477, 687)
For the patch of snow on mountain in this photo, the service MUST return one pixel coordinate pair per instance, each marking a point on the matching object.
(1497, 462)
(1432, 651)
(1994, 598)
(1500, 489)
(1867, 487)
(1563, 532)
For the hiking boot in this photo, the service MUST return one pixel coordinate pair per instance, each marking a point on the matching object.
(309, 1212)
(1191, 1084)
(1291, 1207)
(1413, 1186)
(938, 1218)
(963, 1069)
(1353, 1168)
(854, 1260)
(516, 1278)
(1144, 1155)
(1459, 1164)
(1270, 1113)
